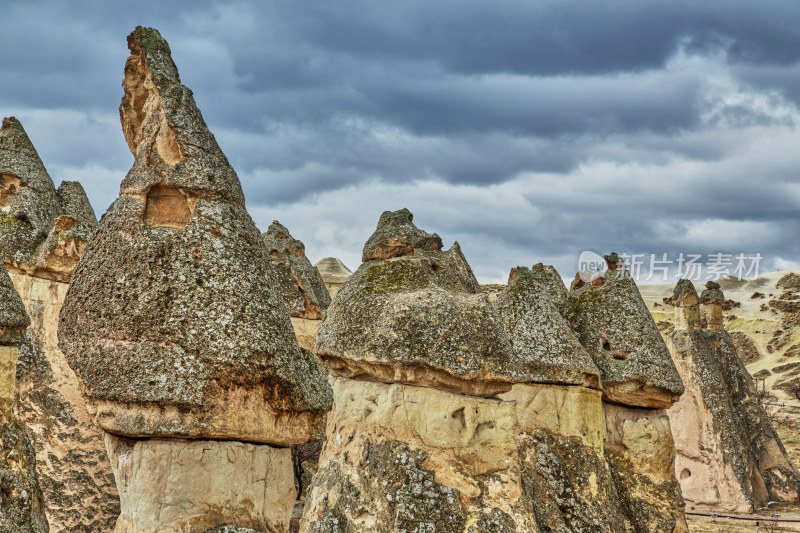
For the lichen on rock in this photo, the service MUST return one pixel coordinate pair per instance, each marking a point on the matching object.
(613, 324)
(300, 282)
(172, 321)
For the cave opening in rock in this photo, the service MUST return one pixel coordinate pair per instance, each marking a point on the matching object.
(9, 185)
(166, 206)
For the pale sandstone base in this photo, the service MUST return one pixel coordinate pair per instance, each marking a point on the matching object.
(568, 411)
(174, 485)
(71, 460)
(8, 379)
(402, 457)
(306, 331)
(641, 452)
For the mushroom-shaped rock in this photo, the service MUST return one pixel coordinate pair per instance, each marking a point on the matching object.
(397, 236)
(614, 326)
(413, 443)
(28, 201)
(540, 336)
(172, 320)
(729, 456)
(301, 284)
(21, 506)
(334, 273)
(687, 310)
(712, 300)
(420, 318)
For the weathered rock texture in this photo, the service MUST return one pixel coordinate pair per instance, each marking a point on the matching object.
(408, 458)
(613, 324)
(414, 444)
(419, 317)
(729, 456)
(175, 328)
(641, 453)
(71, 458)
(334, 273)
(539, 334)
(21, 503)
(171, 320)
(196, 485)
(42, 231)
(300, 283)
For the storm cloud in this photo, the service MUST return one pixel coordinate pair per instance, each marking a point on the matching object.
(527, 131)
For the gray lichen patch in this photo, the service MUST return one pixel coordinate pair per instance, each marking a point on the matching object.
(181, 315)
(613, 324)
(300, 282)
(540, 336)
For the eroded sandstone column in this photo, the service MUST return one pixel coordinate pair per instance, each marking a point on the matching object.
(299, 281)
(419, 439)
(729, 457)
(43, 233)
(21, 502)
(178, 333)
(639, 382)
(560, 417)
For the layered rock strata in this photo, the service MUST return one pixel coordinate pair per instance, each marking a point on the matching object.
(21, 502)
(175, 325)
(334, 273)
(729, 457)
(418, 439)
(639, 381)
(301, 284)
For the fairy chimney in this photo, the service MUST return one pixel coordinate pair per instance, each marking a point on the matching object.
(711, 301)
(334, 273)
(687, 308)
(21, 506)
(613, 324)
(299, 281)
(28, 200)
(175, 327)
(729, 456)
(417, 438)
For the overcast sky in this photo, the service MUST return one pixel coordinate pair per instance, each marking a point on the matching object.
(526, 130)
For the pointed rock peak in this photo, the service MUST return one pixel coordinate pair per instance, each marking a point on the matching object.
(396, 236)
(75, 204)
(542, 340)
(173, 319)
(614, 261)
(278, 239)
(28, 202)
(549, 278)
(614, 325)
(301, 284)
(14, 319)
(177, 158)
(333, 270)
(712, 294)
(684, 294)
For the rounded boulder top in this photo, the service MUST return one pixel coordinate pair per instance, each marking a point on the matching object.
(173, 320)
(415, 314)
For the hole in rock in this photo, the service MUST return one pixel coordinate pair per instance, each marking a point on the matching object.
(9, 185)
(166, 206)
(606, 346)
(686, 473)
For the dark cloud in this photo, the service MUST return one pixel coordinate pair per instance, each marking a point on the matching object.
(526, 130)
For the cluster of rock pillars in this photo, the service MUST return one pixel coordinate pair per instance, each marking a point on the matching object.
(157, 367)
